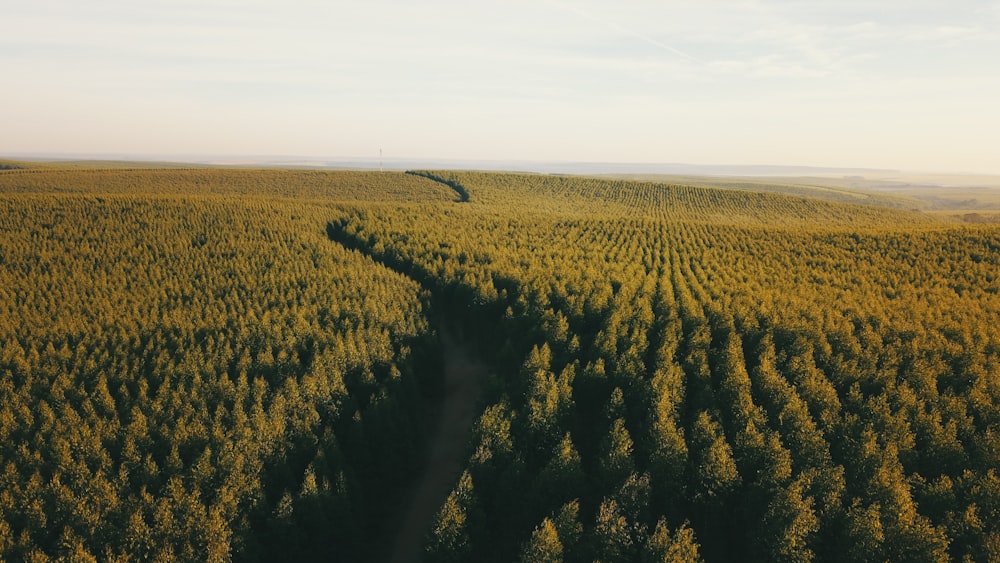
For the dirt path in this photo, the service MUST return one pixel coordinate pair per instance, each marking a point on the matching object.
(464, 375)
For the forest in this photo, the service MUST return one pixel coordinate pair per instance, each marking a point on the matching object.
(215, 364)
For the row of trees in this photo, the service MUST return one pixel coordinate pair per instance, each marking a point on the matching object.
(320, 185)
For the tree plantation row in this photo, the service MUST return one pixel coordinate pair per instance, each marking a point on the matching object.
(246, 364)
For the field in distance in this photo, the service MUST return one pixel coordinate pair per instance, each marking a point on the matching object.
(957, 197)
(238, 363)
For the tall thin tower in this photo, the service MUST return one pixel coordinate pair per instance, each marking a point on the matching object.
(380, 159)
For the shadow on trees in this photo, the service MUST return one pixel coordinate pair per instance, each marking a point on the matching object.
(463, 194)
(353, 489)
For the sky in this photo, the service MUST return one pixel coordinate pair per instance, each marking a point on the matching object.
(909, 85)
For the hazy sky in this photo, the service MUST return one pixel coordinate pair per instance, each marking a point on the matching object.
(909, 84)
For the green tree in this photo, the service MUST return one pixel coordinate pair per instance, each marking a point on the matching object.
(790, 524)
(664, 547)
(544, 545)
(714, 468)
(616, 462)
(449, 538)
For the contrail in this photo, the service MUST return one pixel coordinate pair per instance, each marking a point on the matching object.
(608, 23)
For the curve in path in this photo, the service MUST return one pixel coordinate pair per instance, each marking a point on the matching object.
(463, 194)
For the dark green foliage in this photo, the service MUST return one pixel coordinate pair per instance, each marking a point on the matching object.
(544, 545)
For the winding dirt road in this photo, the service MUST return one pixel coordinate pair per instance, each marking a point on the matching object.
(464, 376)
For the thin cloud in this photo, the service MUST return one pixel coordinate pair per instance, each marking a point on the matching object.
(621, 29)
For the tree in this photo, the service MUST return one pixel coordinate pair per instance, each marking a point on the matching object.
(567, 523)
(616, 463)
(549, 399)
(449, 538)
(544, 545)
(612, 538)
(562, 478)
(664, 547)
(790, 523)
(714, 468)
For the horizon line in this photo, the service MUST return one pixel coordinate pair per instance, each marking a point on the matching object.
(554, 166)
